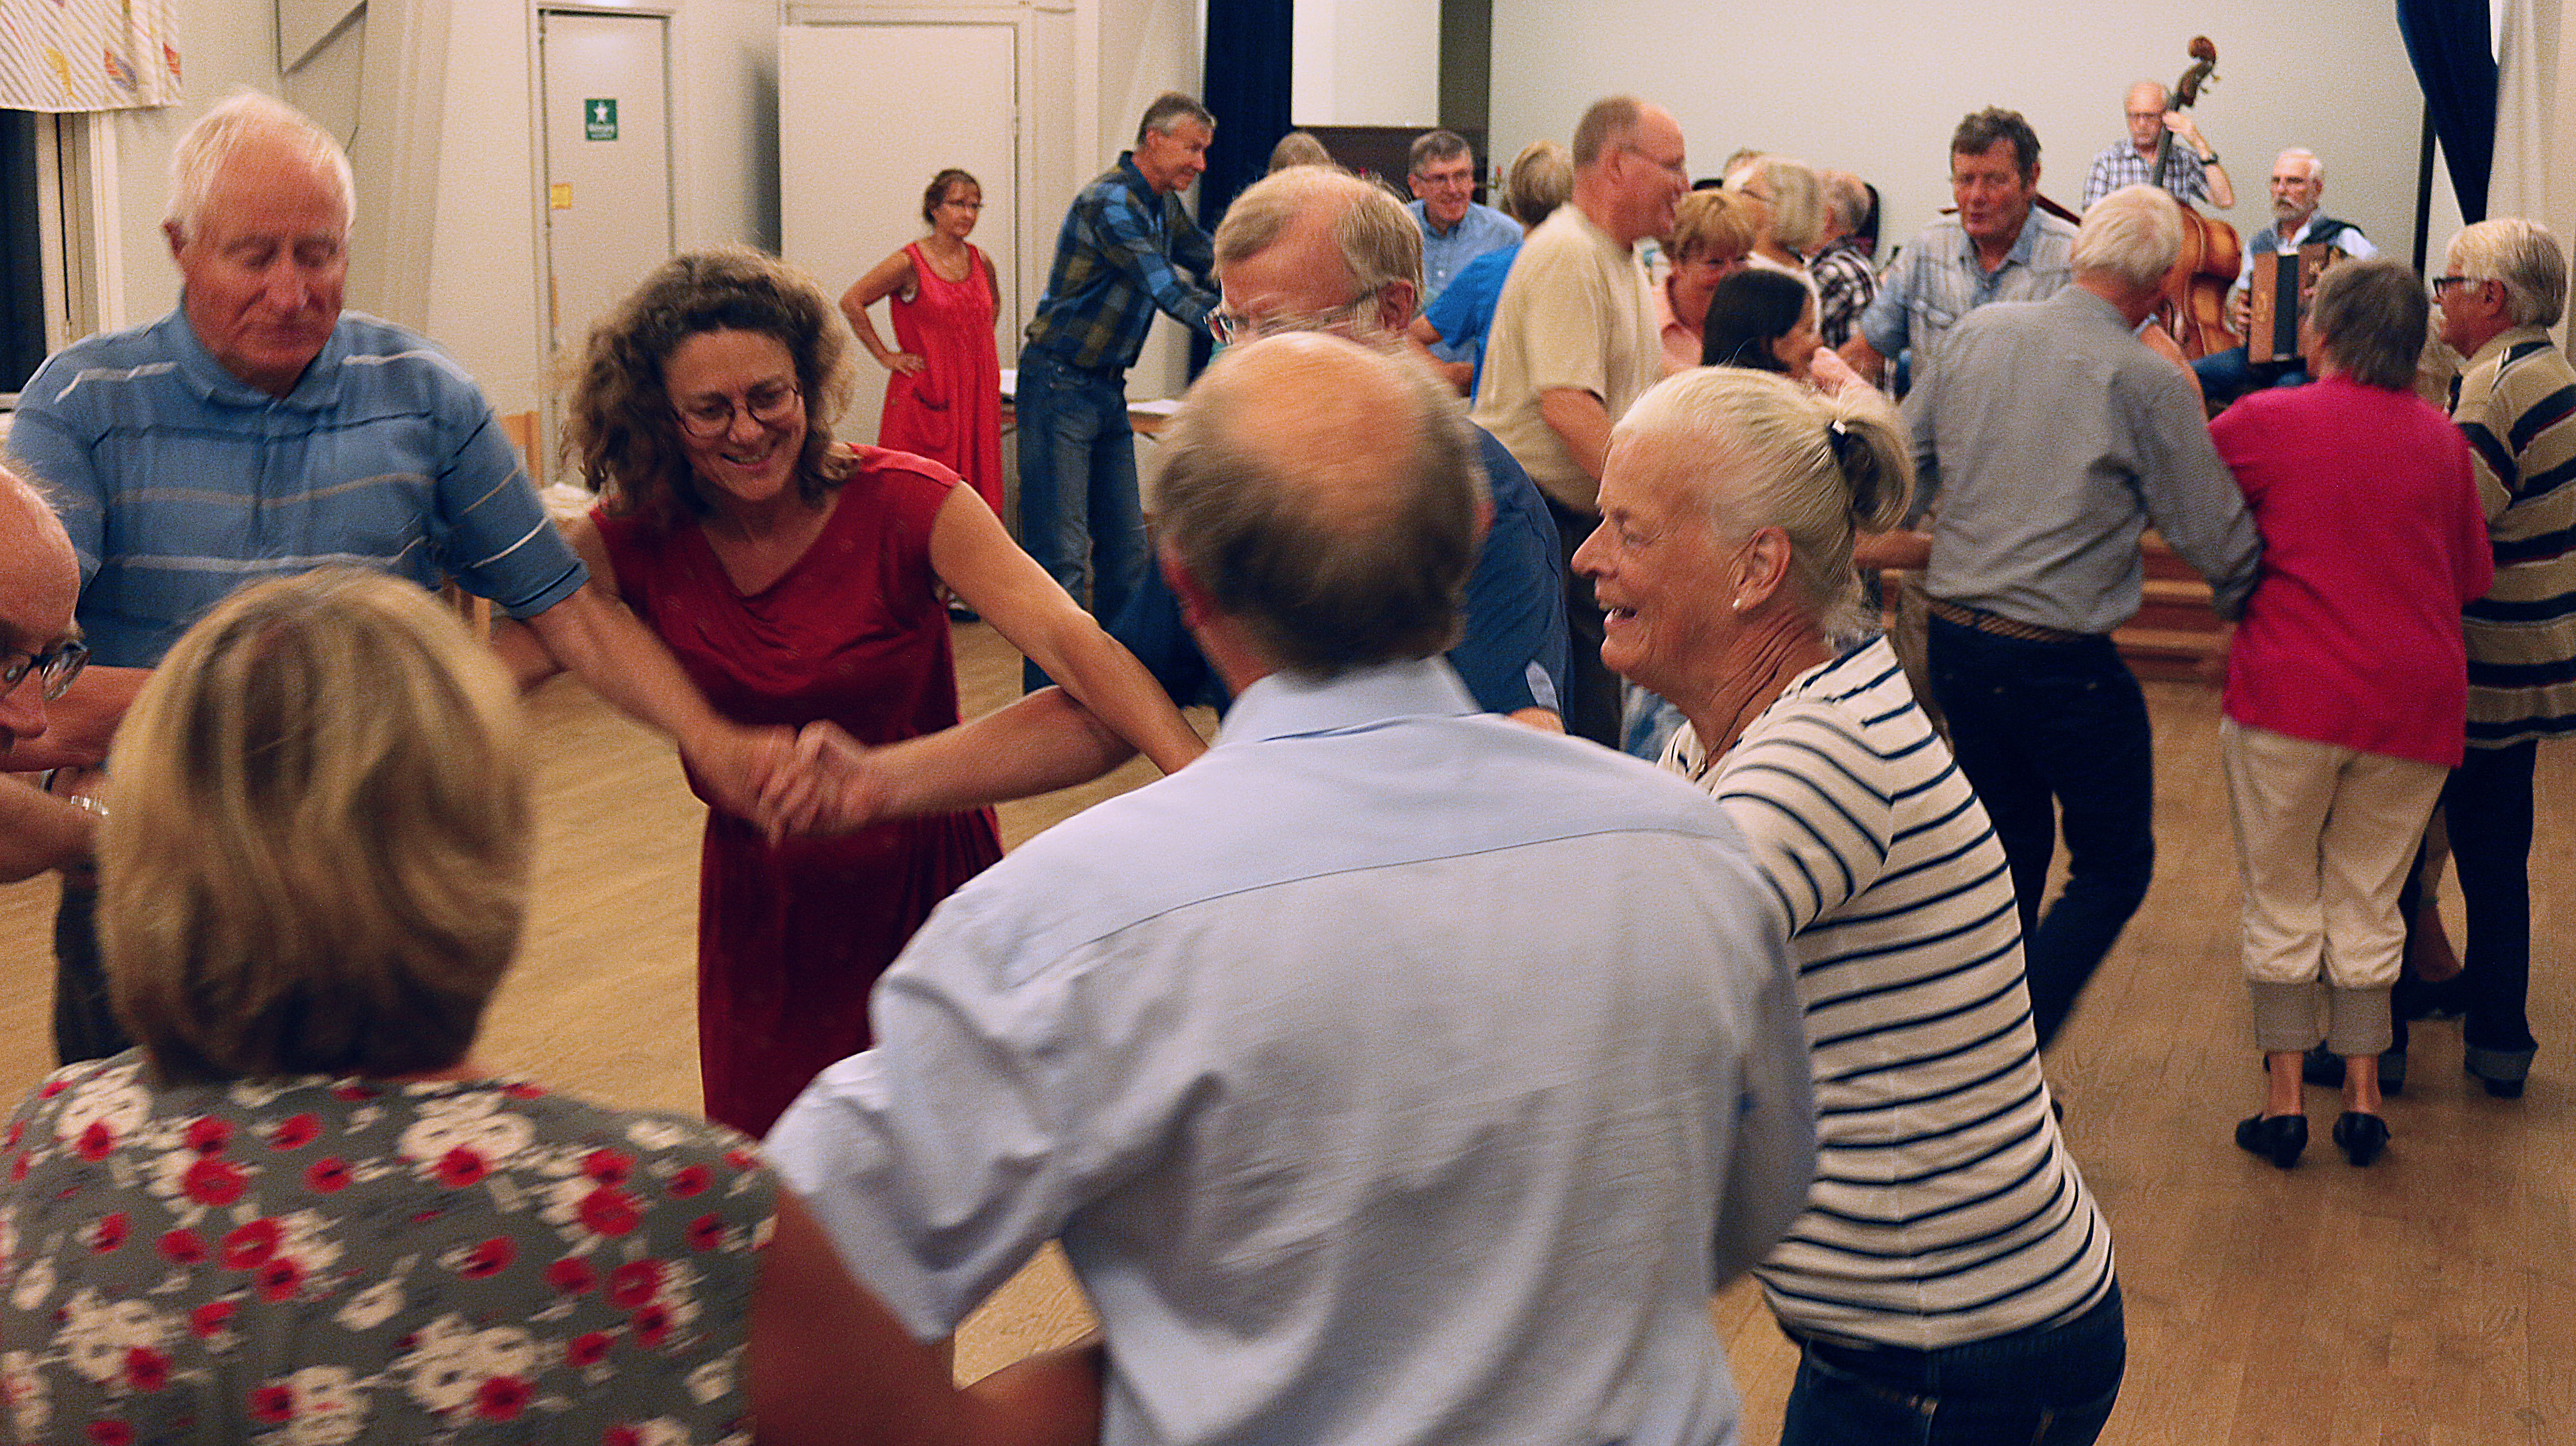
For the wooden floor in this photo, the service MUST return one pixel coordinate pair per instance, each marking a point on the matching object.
(2429, 1300)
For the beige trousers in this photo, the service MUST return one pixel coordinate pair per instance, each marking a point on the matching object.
(2324, 838)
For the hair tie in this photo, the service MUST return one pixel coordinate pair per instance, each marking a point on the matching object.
(1838, 439)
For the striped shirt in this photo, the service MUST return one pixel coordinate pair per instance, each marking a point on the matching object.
(1946, 1209)
(180, 483)
(1114, 265)
(2516, 403)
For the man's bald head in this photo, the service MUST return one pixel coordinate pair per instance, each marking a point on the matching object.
(39, 584)
(1326, 498)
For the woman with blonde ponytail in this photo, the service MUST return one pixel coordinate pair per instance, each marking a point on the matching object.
(1951, 1276)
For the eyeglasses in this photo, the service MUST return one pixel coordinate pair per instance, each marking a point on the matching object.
(1229, 328)
(2445, 283)
(1677, 168)
(769, 404)
(54, 668)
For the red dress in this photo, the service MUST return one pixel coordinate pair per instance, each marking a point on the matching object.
(951, 411)
(792, 937)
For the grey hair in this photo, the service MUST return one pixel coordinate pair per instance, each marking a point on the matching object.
(1796, 201)
(1167, 112)
(1377, 237)
(209, 145)
(1846, 198)
(2164, 97)
(1298, 148)
(1540, 180)
(2371, 317)
(1434, 146)
(1330, 562)
(2521, 255)
(2132, 235)
(2316, 166)
(1763, 451)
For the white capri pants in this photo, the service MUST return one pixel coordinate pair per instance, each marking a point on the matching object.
(2324, 838)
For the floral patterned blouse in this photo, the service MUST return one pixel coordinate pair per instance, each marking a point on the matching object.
(312, 1262)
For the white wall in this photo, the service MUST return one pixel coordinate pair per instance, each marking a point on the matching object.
(1366, 63)
(1876, 89)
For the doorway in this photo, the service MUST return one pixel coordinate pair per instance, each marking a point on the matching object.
(604, 83)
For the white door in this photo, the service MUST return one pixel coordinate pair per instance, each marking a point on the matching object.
(606, 88)
(856, 148)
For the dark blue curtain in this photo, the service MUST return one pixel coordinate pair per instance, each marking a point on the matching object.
(2447, 41)
(1249, 50)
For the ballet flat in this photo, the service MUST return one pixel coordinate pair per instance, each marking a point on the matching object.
(2360, 1136)
(2277, 1138)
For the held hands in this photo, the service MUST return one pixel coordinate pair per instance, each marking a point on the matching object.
(830, 784)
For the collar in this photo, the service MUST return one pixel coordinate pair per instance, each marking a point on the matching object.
(1293, 705)
(316, 390)
(2075, 298)
(2025, 243)
(2503, 342)
(1134, 176)
(1592, 230)
(1422, 213)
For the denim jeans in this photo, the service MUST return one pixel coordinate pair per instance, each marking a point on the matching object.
(2044, 731)
(2226, 375)
(1079, 513)
(2047, 1386)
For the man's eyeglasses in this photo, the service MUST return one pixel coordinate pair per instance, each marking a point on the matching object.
(1230, 329)
(2445, 283)
(713, 416)
(54, 668)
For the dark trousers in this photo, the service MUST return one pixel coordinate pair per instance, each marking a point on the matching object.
(84, 1026)
(2047, 1386)
(2486, 803)
(2225, 375)
(2044, 731)
(1080, 516)
(1591, 689)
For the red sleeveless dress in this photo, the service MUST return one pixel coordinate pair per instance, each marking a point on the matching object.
(792, 937)
(951, 412)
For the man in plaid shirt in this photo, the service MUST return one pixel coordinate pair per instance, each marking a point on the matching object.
(2191, 174)
(1127, 248)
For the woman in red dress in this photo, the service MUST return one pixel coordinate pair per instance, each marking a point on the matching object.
(797, 580)
(944, 397)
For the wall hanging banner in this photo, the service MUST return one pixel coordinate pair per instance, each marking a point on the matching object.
(73, 55)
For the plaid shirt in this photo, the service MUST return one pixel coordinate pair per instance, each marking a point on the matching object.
(1114, 264)
(2121, 165)
(1845, 286)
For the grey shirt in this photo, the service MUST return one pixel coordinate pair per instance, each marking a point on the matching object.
(2046, 442)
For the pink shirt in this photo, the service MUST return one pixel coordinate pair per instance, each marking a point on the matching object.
(2373, 537)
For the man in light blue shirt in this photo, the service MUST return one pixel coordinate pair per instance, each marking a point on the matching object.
(1393, 1072)
(1456, 228)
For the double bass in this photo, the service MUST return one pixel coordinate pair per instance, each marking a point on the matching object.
(2194, 310)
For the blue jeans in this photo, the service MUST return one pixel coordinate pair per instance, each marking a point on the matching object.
(1079, 513)
(2226, 375)
(2045, 730)
(2047, 1386)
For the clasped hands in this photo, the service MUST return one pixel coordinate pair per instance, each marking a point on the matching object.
(818, 780)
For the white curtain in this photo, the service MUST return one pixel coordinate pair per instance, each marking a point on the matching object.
(77, 55)
(2519, 183)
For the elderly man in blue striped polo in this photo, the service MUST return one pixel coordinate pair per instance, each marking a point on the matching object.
(257, 431)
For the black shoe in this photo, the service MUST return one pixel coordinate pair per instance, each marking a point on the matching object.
(2361, 1137)
(2324, 1068)
(2277, 1138)
(2501, 1070)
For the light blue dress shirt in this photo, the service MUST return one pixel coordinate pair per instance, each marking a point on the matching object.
(1444, 255)
(1391, 1074)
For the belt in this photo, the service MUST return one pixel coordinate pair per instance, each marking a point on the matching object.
(2003, 627)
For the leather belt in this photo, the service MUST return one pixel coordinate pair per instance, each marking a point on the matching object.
(2003, 627)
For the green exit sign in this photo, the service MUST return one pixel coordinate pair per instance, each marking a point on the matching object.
(599, 119)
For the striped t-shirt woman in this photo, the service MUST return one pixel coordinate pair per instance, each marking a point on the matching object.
(1946, 1209)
